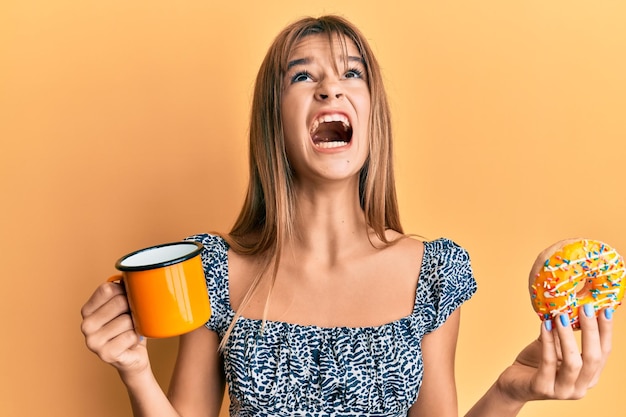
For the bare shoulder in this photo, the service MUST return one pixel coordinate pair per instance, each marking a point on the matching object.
(241, 272)
(405, 247)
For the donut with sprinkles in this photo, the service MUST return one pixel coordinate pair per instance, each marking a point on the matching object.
(574, 272)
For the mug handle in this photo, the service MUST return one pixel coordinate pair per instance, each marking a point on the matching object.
(120, 280)
(116, 278)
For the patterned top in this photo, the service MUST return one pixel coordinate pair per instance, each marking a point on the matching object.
(305, 370)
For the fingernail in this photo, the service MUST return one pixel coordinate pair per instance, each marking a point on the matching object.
(608, 313)
(589, 310)
(548, 324)
(564, 320)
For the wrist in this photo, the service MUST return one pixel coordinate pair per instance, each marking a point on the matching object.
(496, 403)
(146, 395)
(504, 394)
(136, 377)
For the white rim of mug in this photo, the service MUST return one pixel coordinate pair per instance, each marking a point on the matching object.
(192, 254)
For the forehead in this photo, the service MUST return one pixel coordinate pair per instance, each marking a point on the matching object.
(335, 45)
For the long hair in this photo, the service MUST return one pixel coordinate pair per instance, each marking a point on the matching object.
(267, 216)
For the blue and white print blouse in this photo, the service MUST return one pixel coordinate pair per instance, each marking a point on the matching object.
(304, 370)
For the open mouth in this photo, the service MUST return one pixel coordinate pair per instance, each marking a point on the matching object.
(331, 131)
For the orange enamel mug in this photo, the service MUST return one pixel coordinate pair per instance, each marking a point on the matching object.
(166, 288)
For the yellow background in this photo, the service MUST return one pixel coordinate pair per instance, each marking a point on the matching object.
(123, 125)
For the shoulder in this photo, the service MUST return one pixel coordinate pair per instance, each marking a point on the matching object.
(446, 280)
(215, 252)
(400, 257)
(211, 242)
(405, 245)
(444, 250)
(430, 253)
(445, 261)
(214, 255)
(215, 263)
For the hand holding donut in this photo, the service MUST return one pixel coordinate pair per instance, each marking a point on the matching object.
(553, 367)
(575, 284)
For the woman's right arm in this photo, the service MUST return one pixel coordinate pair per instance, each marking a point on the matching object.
(197, 385)
(198, 381)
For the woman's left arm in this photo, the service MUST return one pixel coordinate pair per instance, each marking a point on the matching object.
(437, 395)
(551, 367)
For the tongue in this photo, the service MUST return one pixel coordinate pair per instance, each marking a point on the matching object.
(330, 132)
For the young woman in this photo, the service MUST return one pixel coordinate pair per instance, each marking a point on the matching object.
(321, 304)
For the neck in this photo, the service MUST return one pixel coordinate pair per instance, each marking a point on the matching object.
(328, 222)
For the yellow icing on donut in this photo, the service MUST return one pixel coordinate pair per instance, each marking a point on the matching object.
(579, 272)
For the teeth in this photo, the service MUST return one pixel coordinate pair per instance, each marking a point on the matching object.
(331, 118)
(329, 145)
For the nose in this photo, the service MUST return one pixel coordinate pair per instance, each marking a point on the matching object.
(329, 89)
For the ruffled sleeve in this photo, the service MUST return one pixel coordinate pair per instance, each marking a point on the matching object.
(215, 264)
(446, 281)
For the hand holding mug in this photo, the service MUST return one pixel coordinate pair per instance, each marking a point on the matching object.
(162, 294)
(109, 331)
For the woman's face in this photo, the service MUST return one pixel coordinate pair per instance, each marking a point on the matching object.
(325, 110)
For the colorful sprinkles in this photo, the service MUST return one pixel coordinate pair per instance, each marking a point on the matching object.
(582, 272)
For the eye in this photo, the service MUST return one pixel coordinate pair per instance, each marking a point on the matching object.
(353, 73)
(300, 77)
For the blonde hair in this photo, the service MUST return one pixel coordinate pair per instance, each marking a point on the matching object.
(266, 218)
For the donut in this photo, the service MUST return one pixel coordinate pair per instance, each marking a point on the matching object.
(574, 272)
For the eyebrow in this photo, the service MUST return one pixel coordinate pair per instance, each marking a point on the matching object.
(305, 61)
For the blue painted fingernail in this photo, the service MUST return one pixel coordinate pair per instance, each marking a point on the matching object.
(608, 313)
(564, 319)
(589, 311)
(548, 324)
